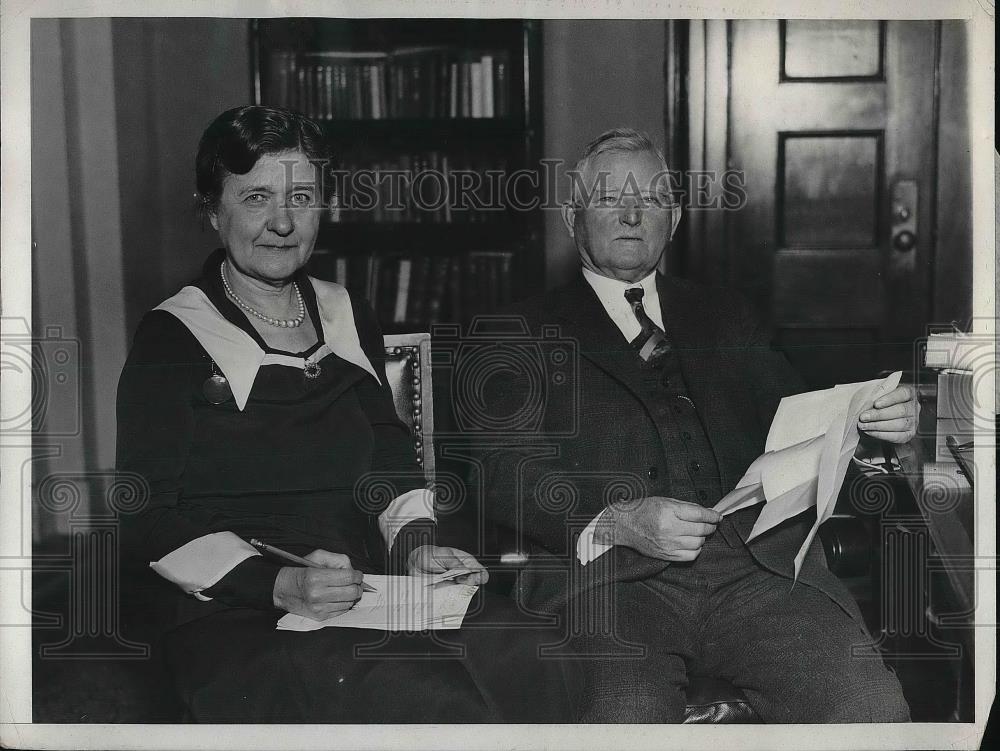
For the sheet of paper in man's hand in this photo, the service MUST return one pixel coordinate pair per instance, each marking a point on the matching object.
(809, 447)
(400, 603)
(447, 575)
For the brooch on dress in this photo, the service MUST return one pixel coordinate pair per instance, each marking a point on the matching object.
(216, 388)
(311, 369)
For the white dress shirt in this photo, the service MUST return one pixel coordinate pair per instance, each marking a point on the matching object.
(611, 293)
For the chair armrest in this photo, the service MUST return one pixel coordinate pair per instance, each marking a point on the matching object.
(847, 543)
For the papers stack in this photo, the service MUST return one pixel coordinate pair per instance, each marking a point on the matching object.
(400, 603)
(955, 349)
(809, 447)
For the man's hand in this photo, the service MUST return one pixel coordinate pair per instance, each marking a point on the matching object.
(893, 417)
(318, 593)
(432, 559)
(659, 527)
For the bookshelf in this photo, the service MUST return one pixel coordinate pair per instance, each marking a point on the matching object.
(432, 119)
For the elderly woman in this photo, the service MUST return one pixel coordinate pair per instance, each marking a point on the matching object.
(253, 402)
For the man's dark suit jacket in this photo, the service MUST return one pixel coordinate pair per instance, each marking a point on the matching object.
(549, 486)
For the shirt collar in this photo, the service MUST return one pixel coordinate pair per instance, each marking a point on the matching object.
(611, 294)
(613, 290)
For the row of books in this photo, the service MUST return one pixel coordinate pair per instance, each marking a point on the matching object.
(410, 292)
(431, 82)
(422, 186)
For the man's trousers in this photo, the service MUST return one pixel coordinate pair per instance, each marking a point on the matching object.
(796, 654)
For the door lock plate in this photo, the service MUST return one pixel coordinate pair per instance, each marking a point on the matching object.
(903, 232)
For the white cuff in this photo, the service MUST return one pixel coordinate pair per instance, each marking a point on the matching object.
(199, 564)
(416, 504)
(587, 549)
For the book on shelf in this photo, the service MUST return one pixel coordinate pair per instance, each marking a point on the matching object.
(403, 277)
(413, 291)
(419, 308)
(415, 82)
(487, 73)
(372, 285)
(476, 86)
(437, 285)
(501, 89)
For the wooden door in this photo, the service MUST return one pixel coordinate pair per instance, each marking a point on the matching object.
(833, 125)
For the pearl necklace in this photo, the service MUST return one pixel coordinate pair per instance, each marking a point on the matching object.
(289, 323)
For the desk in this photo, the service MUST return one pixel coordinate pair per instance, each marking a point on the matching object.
(941, 507)
(944, 499)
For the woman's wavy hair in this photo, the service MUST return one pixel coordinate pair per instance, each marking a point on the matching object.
(238, 138)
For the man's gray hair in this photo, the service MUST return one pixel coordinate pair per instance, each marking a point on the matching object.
(616, 140)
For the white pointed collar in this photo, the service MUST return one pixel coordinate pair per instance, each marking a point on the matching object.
(611, 293)
(238, 355)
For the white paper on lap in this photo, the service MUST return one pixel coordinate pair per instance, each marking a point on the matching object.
(400, 603)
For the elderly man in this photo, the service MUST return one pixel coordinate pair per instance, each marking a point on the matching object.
(675, 390)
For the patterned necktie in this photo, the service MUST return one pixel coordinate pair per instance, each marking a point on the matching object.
(651, 343)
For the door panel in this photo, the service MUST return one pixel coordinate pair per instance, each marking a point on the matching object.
(815, 293)
(826, 119)
(841, 50)
(828, 190)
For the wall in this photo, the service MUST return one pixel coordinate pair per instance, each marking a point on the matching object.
(76, 262)
(173, 76)
(596, 75)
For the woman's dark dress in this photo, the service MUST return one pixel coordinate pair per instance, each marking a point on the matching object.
(284, 470)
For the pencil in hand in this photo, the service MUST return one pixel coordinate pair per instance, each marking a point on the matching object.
(263, 547)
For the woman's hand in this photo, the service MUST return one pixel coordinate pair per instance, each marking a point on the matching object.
(318, 593)
(893, 417)
(432, 559)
